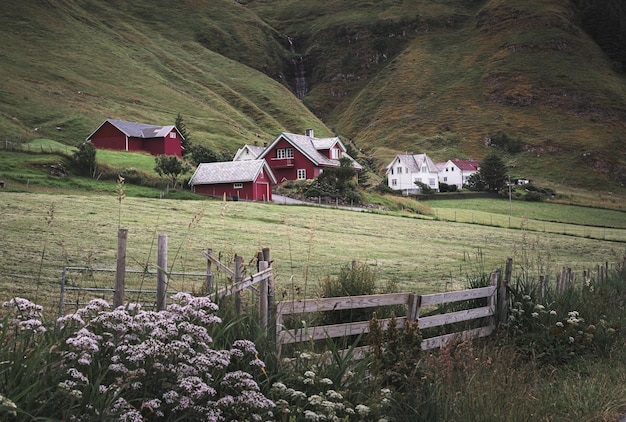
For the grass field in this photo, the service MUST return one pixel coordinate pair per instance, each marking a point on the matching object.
(43, 232)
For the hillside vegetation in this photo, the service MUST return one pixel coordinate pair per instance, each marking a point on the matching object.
(442, 77)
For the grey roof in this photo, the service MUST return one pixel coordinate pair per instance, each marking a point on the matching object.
(414, 162)
(230, 172)
(139, 130)
(310, 147)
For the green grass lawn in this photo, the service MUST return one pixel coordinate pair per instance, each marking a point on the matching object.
(42, 233)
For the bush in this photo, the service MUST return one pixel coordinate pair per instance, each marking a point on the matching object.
(444, 187)
(533, 196)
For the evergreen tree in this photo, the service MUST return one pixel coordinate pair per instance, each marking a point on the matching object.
(85, 159)
(182, 128)
(493, 172)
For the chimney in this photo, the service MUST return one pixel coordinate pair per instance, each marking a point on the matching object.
(309, 133)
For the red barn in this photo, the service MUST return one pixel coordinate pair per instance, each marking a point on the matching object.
(302, 157)
(129, 136)
(251, 180)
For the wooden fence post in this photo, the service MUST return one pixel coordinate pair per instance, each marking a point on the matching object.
(263, 293)
(161, 272)
(237, 279)
(209, 274)
(502, 296)
(415, 303)
(267, 257)
(120, 271)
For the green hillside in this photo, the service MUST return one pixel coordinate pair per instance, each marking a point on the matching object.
(68, 65)
(437, 76)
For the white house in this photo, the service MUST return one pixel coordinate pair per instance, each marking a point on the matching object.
(248, 152)
(406, 169)
(456, 172)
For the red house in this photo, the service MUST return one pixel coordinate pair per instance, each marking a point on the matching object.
(302, 157)
(129, 136)
(251, 180)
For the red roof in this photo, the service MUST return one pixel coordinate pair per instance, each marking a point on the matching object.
(467, 165)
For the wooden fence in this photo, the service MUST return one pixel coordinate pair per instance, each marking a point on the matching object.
(415, 304)
(479, 307)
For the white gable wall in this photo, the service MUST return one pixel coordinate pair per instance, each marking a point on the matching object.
(402, 176)
(451, 174)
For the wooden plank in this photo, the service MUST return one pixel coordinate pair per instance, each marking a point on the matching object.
(333, 331)
(247, 282)
(453, 317)
(219, 264)
(434, 342)
(338, 303)
(439, 298)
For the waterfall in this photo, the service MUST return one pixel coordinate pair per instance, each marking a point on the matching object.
(299, 71)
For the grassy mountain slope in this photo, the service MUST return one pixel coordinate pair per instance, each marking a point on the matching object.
(435, 76)
(443, 77)
(68, 65)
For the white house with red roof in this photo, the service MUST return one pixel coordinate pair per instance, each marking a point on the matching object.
(302, 157)
(407, 169)
(250, 180)
(456, 172)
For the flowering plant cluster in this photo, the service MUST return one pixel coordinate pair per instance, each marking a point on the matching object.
(308, 394)
(136, 365)
(543, 332)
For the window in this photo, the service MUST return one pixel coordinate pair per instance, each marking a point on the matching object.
(394, 182)
(445, 179)
(399, 170)
(423, 169)
(391, 171)
(334, 153)
(431, 182)
(301, 174)
(417, 179)
(172, 135)
(284, 153)
(237, 185)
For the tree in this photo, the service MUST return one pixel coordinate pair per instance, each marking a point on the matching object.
(474, 183)
(493, 172)
(182, 128)
(85, 158)
(201, 154)
(170, 166)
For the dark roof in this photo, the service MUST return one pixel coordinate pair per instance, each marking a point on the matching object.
(139, 130)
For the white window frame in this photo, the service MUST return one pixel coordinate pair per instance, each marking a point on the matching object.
(399, 170)
(284, 153)
(394, 182)
(432, 181)
(172, 135)
(301, 174)
(237, 185)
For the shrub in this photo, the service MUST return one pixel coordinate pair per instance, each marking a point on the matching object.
(533, 196)
(444, 187)
(359, 279)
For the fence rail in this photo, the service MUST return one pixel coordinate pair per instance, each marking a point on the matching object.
(414, 303)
